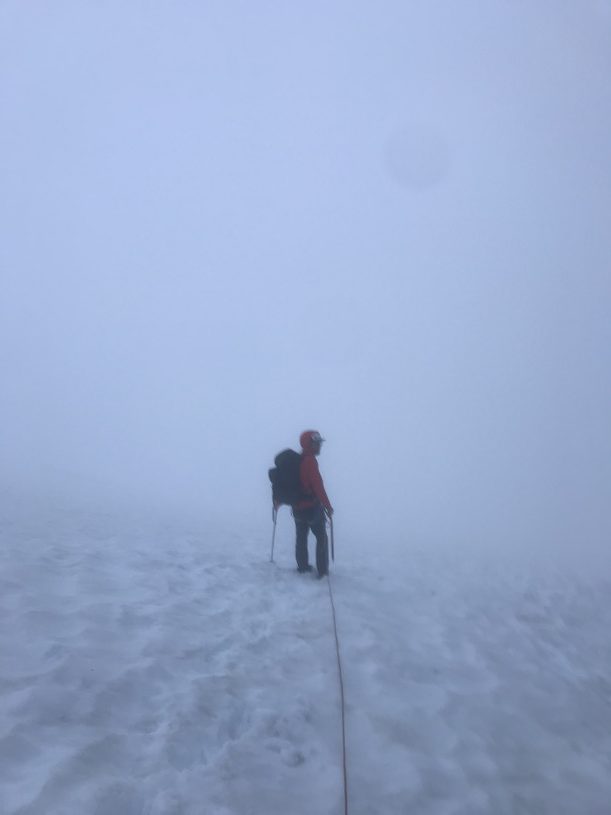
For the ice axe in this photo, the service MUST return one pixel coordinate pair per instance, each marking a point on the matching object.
(274, 518)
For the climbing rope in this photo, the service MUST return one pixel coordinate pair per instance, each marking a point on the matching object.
(339, 661)
(342, 698)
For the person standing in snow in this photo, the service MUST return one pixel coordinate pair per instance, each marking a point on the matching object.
(309, 512)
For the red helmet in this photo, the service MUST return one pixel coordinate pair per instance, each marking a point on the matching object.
(309, 439)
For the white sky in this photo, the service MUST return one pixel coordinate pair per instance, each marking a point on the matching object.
(224, 222)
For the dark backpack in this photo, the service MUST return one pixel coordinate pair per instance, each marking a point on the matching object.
(285, 478)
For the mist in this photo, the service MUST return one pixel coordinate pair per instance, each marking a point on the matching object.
(223, 224)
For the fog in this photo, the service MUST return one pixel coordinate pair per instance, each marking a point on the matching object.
(224, 223)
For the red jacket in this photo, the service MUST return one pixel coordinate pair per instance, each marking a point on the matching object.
(312, 483)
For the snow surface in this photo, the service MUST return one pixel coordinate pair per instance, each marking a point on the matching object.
(149, 669)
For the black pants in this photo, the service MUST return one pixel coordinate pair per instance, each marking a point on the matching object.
(314, 519)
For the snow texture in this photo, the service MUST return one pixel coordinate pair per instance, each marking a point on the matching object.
(146, 669)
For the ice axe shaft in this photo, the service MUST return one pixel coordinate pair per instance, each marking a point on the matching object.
(274, 517)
